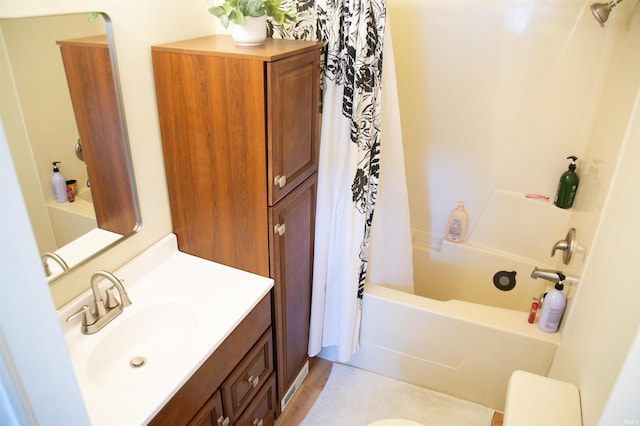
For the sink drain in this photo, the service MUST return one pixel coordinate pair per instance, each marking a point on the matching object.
(137, 361)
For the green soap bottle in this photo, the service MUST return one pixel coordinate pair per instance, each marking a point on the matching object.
(567, 186)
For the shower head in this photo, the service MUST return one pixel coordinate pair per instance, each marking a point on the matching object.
(601, 10)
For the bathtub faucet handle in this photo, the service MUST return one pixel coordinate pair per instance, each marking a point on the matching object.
(568, 245)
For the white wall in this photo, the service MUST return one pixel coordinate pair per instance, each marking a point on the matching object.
(605, 318)
(494, 95)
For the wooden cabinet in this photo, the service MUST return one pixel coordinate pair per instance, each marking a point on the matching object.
(235, 385)
(240, 138)
(94, 98)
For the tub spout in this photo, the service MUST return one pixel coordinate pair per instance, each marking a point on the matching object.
(547, 274)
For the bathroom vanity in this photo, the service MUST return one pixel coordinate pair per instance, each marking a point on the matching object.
(235, 385)
(240, 130)
(194, 347)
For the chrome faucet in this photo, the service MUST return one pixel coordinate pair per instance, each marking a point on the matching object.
(56, 257)
(547, 274)
(102, 313)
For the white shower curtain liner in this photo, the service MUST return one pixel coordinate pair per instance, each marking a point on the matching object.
(390, 245)
(350, 178)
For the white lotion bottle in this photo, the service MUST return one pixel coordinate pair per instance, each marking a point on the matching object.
(457, 224)
(58, 184)
(552, 309)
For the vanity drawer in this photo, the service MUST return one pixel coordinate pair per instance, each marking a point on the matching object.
(261, 411)
(248, 377)
(210, 413)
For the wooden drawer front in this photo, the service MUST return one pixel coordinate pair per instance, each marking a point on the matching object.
(261, 411)
(247, 378)
(210, 414)
(292, 116)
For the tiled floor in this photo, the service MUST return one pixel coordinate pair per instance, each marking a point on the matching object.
(305, 397)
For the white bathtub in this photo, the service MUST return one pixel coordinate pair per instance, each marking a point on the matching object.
(466, 348)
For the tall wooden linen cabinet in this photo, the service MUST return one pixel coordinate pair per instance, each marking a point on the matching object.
(240, 138)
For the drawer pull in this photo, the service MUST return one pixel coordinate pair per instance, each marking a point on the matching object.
(258, 422)
(253, 381)
(223, 421)
(280, 229)
(281, 181)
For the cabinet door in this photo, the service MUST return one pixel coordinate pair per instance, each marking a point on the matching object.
(293, 88)
(211, 413)
(291, 256)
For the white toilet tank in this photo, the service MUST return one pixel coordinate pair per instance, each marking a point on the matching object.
(534, 400)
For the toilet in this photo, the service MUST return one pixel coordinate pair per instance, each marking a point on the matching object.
(534, 400)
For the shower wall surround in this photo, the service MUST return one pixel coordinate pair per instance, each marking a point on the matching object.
(492, 113)
(493, 96)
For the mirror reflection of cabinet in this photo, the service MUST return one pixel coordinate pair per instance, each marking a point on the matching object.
(95, 105)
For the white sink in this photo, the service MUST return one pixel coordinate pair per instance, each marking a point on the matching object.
(142, 347)
(183, 308)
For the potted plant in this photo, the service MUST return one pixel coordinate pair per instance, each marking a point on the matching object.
(249, 18)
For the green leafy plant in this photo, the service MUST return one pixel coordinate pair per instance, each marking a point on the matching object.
(235, 11)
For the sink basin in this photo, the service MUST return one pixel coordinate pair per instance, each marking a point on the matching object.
(144, 345)
(183, 307)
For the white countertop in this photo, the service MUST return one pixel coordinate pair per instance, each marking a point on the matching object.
(208, 299)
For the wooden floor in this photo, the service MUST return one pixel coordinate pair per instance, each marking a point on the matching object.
(305, 397)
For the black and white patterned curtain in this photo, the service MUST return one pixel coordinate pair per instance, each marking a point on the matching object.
(352, 32)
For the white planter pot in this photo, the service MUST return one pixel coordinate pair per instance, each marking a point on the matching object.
(252, 32)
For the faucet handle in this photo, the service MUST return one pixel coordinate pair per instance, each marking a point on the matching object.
(111, 302)
(568, 245)
(88, 317)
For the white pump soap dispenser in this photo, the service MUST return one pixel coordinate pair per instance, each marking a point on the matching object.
(553, 308)
(59, 184)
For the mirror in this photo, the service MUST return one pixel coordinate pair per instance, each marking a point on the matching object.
(61, 103)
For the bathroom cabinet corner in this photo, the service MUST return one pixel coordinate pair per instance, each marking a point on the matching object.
(240, 131)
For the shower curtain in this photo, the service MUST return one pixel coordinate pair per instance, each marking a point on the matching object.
(349, 167)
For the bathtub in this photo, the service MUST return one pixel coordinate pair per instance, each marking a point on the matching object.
(458, 334)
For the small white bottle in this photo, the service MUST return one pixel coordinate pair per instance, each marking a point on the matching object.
(457, 225)
(552, 309)
(59, 184)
